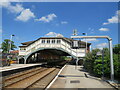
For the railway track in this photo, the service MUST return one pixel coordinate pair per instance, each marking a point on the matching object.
(45, 81)
(36, 78)
(20, 74)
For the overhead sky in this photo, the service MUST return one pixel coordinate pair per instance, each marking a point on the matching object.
(31, 20)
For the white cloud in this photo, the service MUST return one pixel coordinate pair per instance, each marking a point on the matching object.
(103, 29)
(47, 18)
(25, 15)
(64, 22)
(14, 9)
(105, 23)
(59, 35)
(53, 34)
(113, 19)
(118, 13)
(102, 45)
(90, 39)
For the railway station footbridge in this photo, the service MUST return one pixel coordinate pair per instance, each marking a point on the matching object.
(51, 47)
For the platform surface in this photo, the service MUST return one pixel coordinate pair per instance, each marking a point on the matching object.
(72, 77)
(16, 66)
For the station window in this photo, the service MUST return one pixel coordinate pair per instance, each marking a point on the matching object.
(58, 41)
(43, 41)
(48, 41)
(53, 41)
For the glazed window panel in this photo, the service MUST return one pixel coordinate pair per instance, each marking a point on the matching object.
(43, 41)
(53, 41)
(58, 41)
(48, 41)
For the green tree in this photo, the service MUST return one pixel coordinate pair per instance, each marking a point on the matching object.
(116, 57)
(5, 46)
(98, 66)
(93, 63)
(116, 49)
(90, 59)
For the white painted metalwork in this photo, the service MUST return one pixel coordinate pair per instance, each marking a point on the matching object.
(110, 48)
(62, 44)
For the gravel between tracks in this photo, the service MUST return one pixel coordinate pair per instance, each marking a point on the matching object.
(29, 79)
(46, 80)
(18, 78)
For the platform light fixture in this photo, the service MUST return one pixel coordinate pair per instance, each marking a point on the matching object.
(75, 32)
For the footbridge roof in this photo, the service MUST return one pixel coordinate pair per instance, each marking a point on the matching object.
(69, 40)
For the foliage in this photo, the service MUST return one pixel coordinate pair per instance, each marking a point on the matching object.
(89, 60)
(99, 66)
(116, 57)
(93, 63)
(6, 46)
(116, 65)
(116, 49)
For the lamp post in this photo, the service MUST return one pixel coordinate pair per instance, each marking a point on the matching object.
(9, 48)
(86, 43)
(75, 32)
(11, 42)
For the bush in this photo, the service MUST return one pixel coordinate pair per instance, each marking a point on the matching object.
(93, 64)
